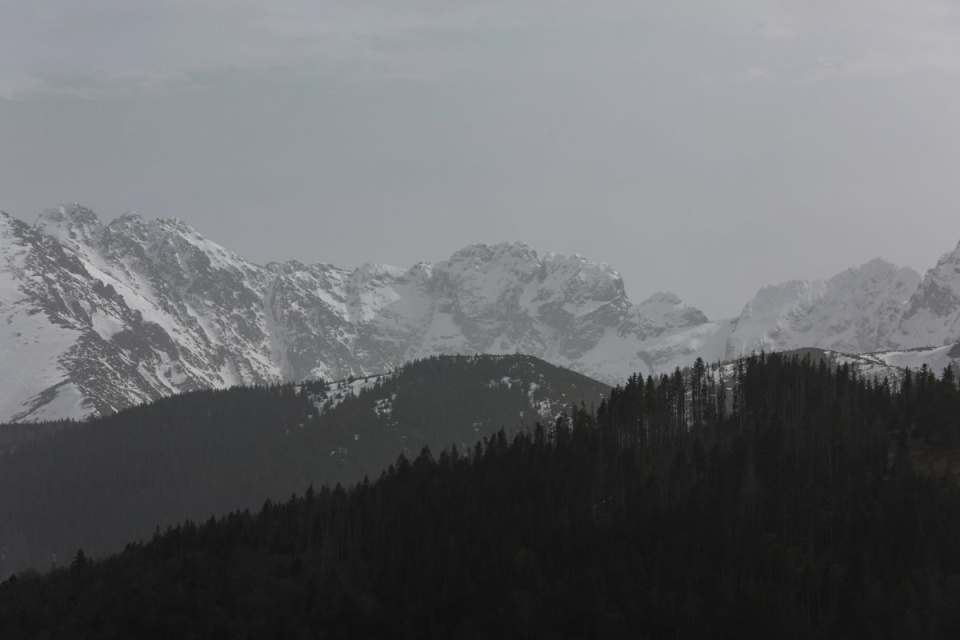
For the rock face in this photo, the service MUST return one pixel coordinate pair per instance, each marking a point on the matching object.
(857, 311)
(877, 307)
(932, 316)
(95, 318)
(100, 317)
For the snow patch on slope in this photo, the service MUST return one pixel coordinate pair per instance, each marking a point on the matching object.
(340, 390)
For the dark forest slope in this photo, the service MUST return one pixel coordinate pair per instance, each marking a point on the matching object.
(103, 483)
(661, 516)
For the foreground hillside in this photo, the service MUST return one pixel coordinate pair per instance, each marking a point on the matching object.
(662, 515)
(100, 484)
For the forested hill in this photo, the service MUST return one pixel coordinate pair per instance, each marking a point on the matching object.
(664, 514)
(100, 484)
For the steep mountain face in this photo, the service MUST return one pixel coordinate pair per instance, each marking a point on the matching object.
(877, 307)
(213, 451)
(46, 296)
(102, 317)
(932, 316)
(567, 310)
(856, 311)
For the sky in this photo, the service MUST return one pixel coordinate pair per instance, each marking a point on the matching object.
(702, 148)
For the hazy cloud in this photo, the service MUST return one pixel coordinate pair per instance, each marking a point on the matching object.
(705, 148)
(105, 46)
(97, 47)
(869, 38)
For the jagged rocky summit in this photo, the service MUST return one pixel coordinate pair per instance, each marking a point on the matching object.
(97, 317)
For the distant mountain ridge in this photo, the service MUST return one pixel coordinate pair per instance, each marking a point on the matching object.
(97, 317)
(857, 311)
(101, 317)
(877, 307)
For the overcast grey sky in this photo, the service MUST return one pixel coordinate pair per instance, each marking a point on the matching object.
(707, 151)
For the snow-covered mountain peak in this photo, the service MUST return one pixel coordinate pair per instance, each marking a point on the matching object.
(490, 267)
(661, 298)
(498, 252)
(482, 280)
(135, 240)
(7, 221)
(773, 298)
(509, 278)
(667, 310)
(72, 224)
(576, 282)
(585, 270)
(128, 217)
(176, 224)
(876, 272)
(124, 232)
(71, 213)
(950, 261)
(377, 272)
(422, 272)
(878, 265)
(855, 311)
(933, 314)
(660, 312)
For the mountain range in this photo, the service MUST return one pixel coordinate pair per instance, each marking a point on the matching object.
(98, 317)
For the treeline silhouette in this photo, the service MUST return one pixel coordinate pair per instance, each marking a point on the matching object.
(100, 484)
(770, 499)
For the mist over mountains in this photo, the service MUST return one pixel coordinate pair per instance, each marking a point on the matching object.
(98, 317)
